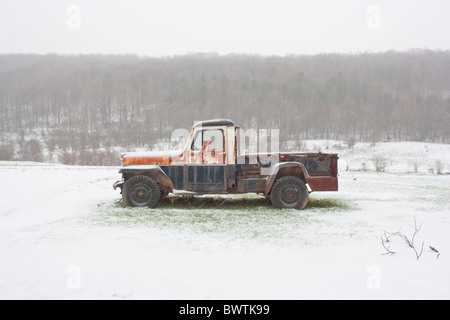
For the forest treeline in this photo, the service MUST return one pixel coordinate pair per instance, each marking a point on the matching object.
(81, 108)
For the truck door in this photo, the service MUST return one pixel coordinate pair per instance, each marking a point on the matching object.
(206, 170)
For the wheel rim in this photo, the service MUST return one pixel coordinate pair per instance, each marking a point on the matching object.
(140, 195)
(290, 194)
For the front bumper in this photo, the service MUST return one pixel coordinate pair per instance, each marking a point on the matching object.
(118, 184)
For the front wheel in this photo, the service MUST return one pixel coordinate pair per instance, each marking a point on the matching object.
(289, 193)
(141, 191)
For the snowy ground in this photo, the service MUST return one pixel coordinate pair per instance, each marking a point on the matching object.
(416, 157)
(64, 235)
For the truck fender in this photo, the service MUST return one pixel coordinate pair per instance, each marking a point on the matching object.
(154, 172)
(296, 169)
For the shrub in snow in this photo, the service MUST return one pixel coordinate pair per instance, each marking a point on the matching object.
(416, 167)
(439, 166)
(364, 167)
(350, 142)
(379, 162)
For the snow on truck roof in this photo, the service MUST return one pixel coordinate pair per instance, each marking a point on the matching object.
(215, 122)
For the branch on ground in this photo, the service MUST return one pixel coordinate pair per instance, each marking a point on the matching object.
(409, 241)
(384, 246)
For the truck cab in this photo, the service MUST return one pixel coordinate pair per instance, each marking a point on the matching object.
(211, 163)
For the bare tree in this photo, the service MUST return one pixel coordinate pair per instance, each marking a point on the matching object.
(32, 151)
(379, 162)
(7, 152)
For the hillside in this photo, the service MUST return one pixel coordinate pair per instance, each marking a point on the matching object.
(78, 109)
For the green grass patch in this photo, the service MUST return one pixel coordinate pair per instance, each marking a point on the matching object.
(245, 203)
(330, 204)
(227, 218)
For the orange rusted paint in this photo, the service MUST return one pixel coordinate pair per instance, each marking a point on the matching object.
(187, 156)
(157, 158)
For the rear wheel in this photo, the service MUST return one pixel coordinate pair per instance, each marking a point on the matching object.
(141, 191)
(289, 193)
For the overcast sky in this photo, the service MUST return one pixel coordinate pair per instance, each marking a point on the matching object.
(266, 27)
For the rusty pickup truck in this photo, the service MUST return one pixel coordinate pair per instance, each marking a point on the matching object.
(211, 163)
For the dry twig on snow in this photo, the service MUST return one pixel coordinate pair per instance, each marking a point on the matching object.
(434, 249)
(387, 249)
(409, 242)
(386, 233)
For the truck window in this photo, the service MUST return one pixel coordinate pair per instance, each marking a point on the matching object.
(213, 135)
(198, 141)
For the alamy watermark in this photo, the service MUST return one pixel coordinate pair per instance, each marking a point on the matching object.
(373, 21)
(255, 146)
(73, 21)
(374, 280)
(73, 277)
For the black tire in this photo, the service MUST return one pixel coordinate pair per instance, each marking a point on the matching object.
(141, 191)
(289, 193)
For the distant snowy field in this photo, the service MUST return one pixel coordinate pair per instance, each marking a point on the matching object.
(64, 236)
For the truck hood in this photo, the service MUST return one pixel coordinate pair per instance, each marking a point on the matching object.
(150, 158)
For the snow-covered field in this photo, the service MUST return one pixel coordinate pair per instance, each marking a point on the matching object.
(63, 235)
